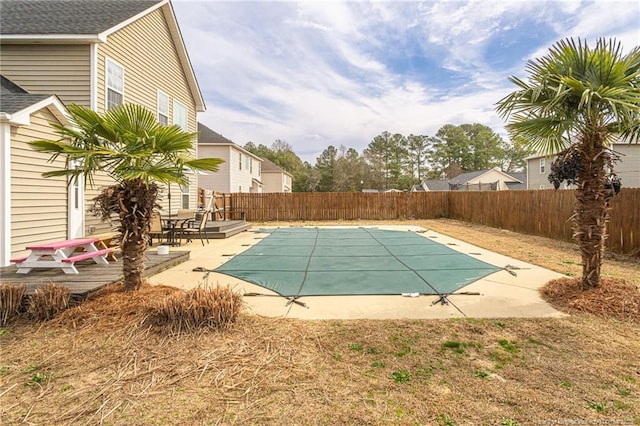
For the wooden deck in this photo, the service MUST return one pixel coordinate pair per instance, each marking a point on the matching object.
(91, 276)
(223, 229)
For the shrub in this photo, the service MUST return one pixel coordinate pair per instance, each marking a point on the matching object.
(48, 301)
(215, 307)
(10, 301)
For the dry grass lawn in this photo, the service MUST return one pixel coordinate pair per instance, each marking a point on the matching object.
(99, 364)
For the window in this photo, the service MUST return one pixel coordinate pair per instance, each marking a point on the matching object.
(115, 84)
(163, 108)
(542, 166)
(184, 199)
(239, 161)
(259, 169)
(246, 162)
(240, 188)
(541, 186)
(251, 165)
(180, 115)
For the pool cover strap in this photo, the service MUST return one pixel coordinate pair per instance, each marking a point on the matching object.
(296, 262)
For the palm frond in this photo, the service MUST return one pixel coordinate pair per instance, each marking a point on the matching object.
(573, 90)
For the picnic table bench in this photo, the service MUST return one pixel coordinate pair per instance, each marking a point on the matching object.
(108, 240)
(61, 254)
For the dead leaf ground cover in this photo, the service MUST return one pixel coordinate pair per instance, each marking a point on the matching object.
(100, 364)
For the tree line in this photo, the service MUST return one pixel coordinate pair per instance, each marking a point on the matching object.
(396, 161)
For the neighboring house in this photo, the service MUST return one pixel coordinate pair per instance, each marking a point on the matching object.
(628, 169)
(275, 178)
(241, 170)
(481, 180)
(98, 54)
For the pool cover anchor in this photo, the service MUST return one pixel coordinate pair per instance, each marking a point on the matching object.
(443, 299)
(294, 299)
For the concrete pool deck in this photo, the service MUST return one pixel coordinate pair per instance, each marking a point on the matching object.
(501, 294)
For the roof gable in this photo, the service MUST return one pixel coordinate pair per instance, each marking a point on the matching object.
(477, 175)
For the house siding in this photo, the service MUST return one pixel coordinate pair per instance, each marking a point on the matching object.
(229, 177)
(535, 179)
(151, 63)
(63, 70)
(628, 169)
(219, 181)
(272, 182)
(38, 204)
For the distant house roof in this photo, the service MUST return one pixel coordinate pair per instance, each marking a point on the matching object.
(520, 183)
(437, 185)
(88, 21)
(466, 177)
(269, 166)
(208, 136)
(66, 17)
(420, 187)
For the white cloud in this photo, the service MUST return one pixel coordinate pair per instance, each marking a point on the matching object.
(321, 73)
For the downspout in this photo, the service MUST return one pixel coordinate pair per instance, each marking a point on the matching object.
(5, 193)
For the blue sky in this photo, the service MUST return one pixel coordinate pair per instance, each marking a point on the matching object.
(320, 73)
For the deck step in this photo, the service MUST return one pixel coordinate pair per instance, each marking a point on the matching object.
(223, 230)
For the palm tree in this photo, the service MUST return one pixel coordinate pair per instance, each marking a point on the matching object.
(579, 100)
(129, 145)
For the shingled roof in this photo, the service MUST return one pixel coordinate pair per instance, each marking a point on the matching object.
(14, 98)
(66, 17)
(206, 135)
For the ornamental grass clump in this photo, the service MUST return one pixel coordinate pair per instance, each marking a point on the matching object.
(48, 301)
(10, 301)
(217, 307)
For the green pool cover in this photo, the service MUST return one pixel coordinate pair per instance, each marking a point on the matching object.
(354, 261)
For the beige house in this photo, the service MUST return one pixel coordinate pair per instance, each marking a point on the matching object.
(481, 180)
(241, 170)
(93, 53)
(274, 178)
(628, 169)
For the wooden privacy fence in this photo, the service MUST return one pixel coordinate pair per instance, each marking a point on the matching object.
(538, 212)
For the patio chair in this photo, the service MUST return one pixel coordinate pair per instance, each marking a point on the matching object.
(196, 226)
(156, 229)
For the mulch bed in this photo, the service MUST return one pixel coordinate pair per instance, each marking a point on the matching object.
(613, 299)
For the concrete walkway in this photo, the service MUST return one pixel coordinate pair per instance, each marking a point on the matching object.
(501, 294)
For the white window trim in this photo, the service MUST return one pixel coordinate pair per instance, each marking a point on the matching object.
(543, 166)
(106, 81)
(186, 118)
(160, 92)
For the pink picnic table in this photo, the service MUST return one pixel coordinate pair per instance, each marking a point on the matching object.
(60, 254)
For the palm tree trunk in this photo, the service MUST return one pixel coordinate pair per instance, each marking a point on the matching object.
(133, 263)
(135, 220)
(591, 211)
